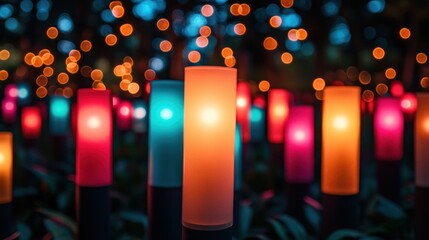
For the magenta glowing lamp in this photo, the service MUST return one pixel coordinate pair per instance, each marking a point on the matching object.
(278, 111)
(299, 145)
(31, 122)
(388, 129)
(8, 107)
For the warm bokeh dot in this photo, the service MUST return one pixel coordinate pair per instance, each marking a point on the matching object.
(165, 46)
(264, 86)
(275, 21)
(62, 78)
(378, 53)
(301, 34)
(424, 82)
(123, 85)
(202, 42)
(118, 11)
(292, 35)
(48, 71)
(3, 75)
(318, 95)
(119, 71)
(390, 73)
(226, 52)
(270, 43)
(85, 46)
(48, 59)
(286, 58)
(319, 84)
(127, 77)
(207, 10)
(368, 95)
(205, 31)
(75, 54)
(230, 61)
(28, 58)
(194, 56)
(128, 59)
(239, 29)
(149, 74)
(4, 54)
(234, 9)
(381, 89)
(41, 92)
(126, 29)
(41, 80)
(364, 77)
(286, 3)
(52, 33)
(111, 39)
(162, 24)
(97, 75)
(37, 61)
(243, 9)
(421, 58)
(85, 71)
(112, 4)
(72, 67)
(133, 88)
(68, 92)
(405, 33)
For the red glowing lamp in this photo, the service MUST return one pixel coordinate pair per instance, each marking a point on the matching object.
(31, 122)
(278, 111)
(243, 109)
(94, 138)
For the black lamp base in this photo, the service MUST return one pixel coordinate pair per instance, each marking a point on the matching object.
(191, 234)
(93, 212)
(165, 213)
(339, 212)
(422, 213)
(389, 180)
(6, 220)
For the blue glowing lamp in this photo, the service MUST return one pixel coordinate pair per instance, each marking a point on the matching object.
(257, 123)
(59, 115)
(139, 120)
(166, 133)
(238, 158)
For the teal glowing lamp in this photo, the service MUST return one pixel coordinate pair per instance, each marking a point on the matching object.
(139, 120)
(165, 159)
(166, 133)
(59, 115)
(257, 123)
(23, 94)
(238, 158)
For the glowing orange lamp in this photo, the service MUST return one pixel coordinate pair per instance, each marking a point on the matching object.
(6, 167)
(209, 136)
(340, 156)
(421, 143)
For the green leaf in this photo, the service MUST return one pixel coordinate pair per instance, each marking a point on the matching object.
(279, 230)
(59, 218)
(57, 231)
(295, 228)
(345, 233)
(313, 217)
(389, 209)
(24, 231)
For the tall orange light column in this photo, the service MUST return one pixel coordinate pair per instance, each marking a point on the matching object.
(208, 167)
(421, 143)
(340, 157)
(6, 166)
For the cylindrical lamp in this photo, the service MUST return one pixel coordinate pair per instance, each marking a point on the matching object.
(139, 121)
(23, 90)
(165, 159)
(209, 135)
(31, 122)
(6, 168)
(340, 157)
(243, 109)
(59, 115)
(11, 91)
(8, 107)
(299, 158)
(421, 143)
(93, 162)
(278, 111)
(124, 113)
(257, 123)
(388, 141)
